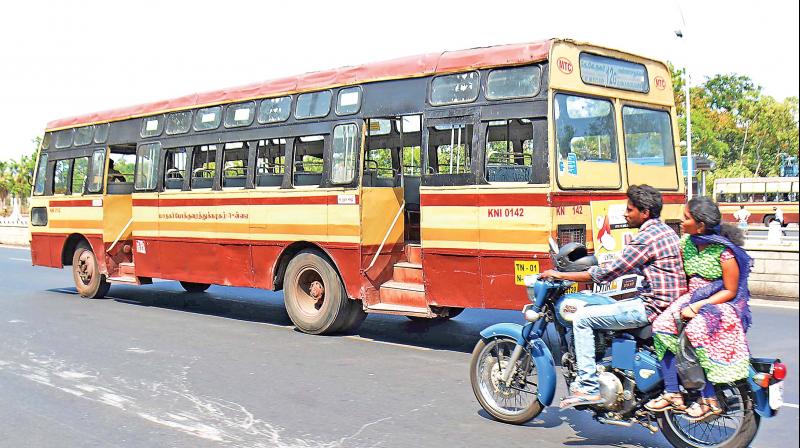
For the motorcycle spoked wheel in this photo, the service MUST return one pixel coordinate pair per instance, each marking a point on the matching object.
(735, 428)
(516, 404)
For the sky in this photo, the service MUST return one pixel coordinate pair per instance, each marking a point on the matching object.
(61, 59)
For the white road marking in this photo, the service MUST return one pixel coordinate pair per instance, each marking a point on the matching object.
(791, 405)
(20, 259)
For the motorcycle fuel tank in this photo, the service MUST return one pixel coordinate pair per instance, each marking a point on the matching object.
(569, 304)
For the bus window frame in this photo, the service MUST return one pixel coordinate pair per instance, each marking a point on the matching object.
(466, 117)
(429, 95)
(554, 138)
(327, 153)
(296, 100)
(102, 170)
(656, 108)
(162, 169)
(43, 171)
(157, 163)
(84, 190)
(360, 100)
(485, 84)
(68, 186)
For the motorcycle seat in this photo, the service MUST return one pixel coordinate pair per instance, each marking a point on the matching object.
(645, 332)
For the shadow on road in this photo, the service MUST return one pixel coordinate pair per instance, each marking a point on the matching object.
(256, 305)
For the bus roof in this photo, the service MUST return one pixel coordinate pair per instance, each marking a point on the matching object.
(406, 67)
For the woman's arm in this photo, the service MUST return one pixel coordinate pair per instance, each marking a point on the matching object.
(730, 283)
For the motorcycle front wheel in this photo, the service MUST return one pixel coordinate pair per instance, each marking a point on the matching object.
(735, 428)
(514, 403)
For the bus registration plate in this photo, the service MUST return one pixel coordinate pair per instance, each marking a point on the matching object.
(523, 268)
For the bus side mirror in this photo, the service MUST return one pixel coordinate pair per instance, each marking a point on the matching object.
(29, 179)
(682, 144)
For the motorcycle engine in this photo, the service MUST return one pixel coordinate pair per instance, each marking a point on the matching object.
(611, 390)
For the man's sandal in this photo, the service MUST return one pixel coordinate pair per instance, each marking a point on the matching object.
(699, 411)
(666, 402)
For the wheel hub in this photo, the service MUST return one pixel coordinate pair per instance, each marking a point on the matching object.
(496, 376)
(86, 267)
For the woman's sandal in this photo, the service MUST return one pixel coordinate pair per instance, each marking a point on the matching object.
(702, 410)
(666, 402)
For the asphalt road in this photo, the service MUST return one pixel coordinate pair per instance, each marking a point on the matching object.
(158, 367)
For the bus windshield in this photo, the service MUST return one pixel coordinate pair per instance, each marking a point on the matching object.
(586, 142)
(649, 148)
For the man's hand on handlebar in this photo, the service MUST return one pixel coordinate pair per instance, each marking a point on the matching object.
(551, 274)
(572, 276)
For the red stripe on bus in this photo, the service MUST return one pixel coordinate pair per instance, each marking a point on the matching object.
(210, 202)
(71, 203)
(583, 198)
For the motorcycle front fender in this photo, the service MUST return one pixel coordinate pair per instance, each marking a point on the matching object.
(542, 358)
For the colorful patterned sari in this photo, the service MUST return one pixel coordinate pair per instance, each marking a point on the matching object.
(718, 331)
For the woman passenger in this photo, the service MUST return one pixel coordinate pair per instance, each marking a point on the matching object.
(716, 307)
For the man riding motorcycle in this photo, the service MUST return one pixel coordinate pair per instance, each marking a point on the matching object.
(654, 253)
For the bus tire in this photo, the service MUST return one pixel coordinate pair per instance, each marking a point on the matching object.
(356, 316)
(768, 219)
(314, 295)
(194, 287)
(89, 282)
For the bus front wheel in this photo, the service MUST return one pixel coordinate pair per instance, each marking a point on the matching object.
(315, 298)
(89, 282)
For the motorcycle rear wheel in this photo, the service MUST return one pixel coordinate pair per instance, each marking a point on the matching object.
(735, 428)
(516, 404)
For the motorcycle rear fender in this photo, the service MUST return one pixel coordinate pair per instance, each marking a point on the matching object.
(545, 366)
(760, 397)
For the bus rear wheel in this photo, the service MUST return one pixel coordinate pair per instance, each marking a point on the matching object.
(315, 298)
(194, 287)
(89, 282)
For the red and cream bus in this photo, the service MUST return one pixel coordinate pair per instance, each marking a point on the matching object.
(418, 186)
(761, 196)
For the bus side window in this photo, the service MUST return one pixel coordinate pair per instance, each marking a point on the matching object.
(270, 162)
(41, 170)
(308, 161)
(344, 153)
(509, 151)
(79, 173)
(410, 129)
(204, 166)
(449, 149)
(381, 164)
(96, 173)
(61, 176)
(175, 169)
(234, 160)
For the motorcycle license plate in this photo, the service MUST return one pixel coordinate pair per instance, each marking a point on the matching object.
(572, 288)
(776, 395)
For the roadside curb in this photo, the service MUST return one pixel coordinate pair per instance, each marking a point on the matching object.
(14, 246)
(785, 304)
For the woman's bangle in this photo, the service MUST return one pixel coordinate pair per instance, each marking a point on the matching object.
(693, 311)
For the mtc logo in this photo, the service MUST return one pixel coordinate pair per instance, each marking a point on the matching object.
(660, 83)
(564, 65)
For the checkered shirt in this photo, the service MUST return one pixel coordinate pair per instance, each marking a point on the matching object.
(655, 253)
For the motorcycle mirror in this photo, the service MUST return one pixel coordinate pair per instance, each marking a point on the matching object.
(553, 245)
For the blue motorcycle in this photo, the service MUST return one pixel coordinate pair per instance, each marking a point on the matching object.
(513, 373)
